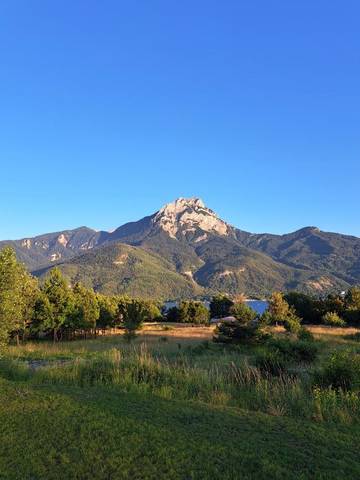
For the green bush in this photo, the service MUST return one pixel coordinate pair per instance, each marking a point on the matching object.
(14, 370)
(306, 335)
(333, 319)
(271, 362)
(295, 351)
(292, 324)
(236, 332)
(354, 336)
(341, 371)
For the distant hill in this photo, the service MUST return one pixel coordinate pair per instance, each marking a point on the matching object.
(185, 249)
(118, 269)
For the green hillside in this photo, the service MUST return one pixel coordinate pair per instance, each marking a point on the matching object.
(120, 269)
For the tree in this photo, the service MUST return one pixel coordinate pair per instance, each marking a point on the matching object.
(153, 311)
(220, 306)
(352, 298)
(352, 305)
(135, 315)
(108, 311)
(278, 307)
(59, 296)
(190, 311)
(10, 304)
(242, 312)
(122, 305)
(246, 328)
(198, 313)
(29, 292)
(86, 310)
(18, 291)
(42, 314)
(305, 306)
(280, 312)
(173, 314)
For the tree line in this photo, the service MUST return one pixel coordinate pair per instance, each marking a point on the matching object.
(332, 309)
(29, 309)
(292, 311)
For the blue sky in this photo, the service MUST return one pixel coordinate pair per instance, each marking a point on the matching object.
(110, 109)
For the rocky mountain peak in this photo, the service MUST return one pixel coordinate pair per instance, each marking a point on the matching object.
(189, 215)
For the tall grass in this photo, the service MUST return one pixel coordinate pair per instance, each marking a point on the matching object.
(231, 381)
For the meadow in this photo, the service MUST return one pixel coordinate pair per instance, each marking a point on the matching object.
(174, 405)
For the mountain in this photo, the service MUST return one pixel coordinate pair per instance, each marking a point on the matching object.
(312, 250)
(118, 269)
(185, 250)
(49, 248)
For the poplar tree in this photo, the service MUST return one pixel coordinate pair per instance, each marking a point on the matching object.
(59, 296)
(18, 291)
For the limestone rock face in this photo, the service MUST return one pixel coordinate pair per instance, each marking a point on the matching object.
(189, 215)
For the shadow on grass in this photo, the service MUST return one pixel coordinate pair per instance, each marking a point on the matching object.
(58, 432)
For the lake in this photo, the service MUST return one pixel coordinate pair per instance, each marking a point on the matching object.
(258, 305)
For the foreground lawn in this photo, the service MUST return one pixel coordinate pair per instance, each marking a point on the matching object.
(58, 432)
(173, 405)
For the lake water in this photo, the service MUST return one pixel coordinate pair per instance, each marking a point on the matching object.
(258, 305)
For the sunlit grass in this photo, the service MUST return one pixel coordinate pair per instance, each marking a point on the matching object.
(206, 403)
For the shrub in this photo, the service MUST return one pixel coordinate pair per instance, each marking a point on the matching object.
(201, 348)
(354, 336)
(341, 371)
(352, 317)
(306, 335)
(292, 324)
(333, 319)
(13, 370)
(271, 362)
(172, 315)
(295, 351)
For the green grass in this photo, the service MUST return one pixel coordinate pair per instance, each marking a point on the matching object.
(58, 432)
(175, 409)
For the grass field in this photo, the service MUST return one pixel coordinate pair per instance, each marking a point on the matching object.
(172, 405)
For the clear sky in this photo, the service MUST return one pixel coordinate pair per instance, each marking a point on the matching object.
(109, 109)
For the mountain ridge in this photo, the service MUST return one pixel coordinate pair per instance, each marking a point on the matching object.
(185, 241)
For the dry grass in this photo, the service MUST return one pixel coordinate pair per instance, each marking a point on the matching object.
(170, 330)
(168, 337)
(201, 332)
(327, 330)
(319, 330)
(179, 330)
